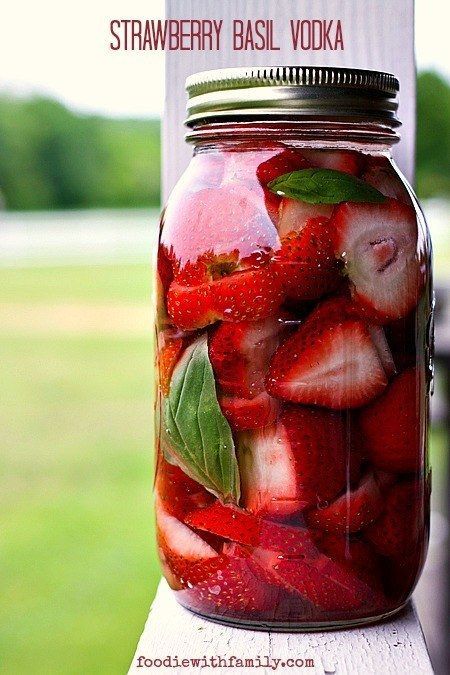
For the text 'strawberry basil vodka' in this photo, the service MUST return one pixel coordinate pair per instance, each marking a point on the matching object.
(294, 312)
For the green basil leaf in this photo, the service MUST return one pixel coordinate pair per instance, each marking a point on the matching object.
(324, 186)
(198, 434)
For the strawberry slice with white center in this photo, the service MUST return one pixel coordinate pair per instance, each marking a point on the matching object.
(235, 524)
(238, 296)
(295, 464)
(179, 546)
(352, 511)
(267, 469)
(378, 246)
(294, 214)
(330, 361)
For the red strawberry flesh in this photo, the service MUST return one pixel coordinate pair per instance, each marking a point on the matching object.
(179, 546)
(351, 511)
(306, 259)
(249, 413)
(390, 426)
(294, 464)
(240, 353)
(235, 585)
(177, 493)
(328, 585)
(396, 533)
(329, 361)
(240, 526)
(240, 296)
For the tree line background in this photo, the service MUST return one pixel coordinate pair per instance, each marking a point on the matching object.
(53, 158)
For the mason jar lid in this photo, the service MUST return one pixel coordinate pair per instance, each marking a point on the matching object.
(292, 92)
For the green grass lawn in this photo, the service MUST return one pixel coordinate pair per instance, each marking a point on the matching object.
(78, 558)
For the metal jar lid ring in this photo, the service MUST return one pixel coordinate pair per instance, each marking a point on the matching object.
(292, 92)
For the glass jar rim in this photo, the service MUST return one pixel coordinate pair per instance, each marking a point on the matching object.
(292, 92)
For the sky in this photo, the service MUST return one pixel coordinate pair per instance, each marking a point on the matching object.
(61, 49)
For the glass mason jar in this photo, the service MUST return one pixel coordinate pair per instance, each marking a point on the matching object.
(293, 332)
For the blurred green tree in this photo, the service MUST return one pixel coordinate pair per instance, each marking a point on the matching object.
(52, 158)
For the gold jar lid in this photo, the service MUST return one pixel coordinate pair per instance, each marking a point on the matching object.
(292, 92)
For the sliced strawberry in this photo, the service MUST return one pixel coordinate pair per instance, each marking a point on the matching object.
(179, 546)
(351, 511)
(190, 306)
(228, 586)
(397, 531)
(306, 259)
(167, 359)
(251, 295)
(235, 585)
(355, 555)
(268, 472)
(330, 586)
(295, 214)
(391, 426)
(177, 493)
(330, 361)
(341, 306)
(317, 441)
(286, 161)
(346, 161)
(296, 463)
(239, 526)
(240, 296)
(378, 245)
(240, 353)
(249, 413)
